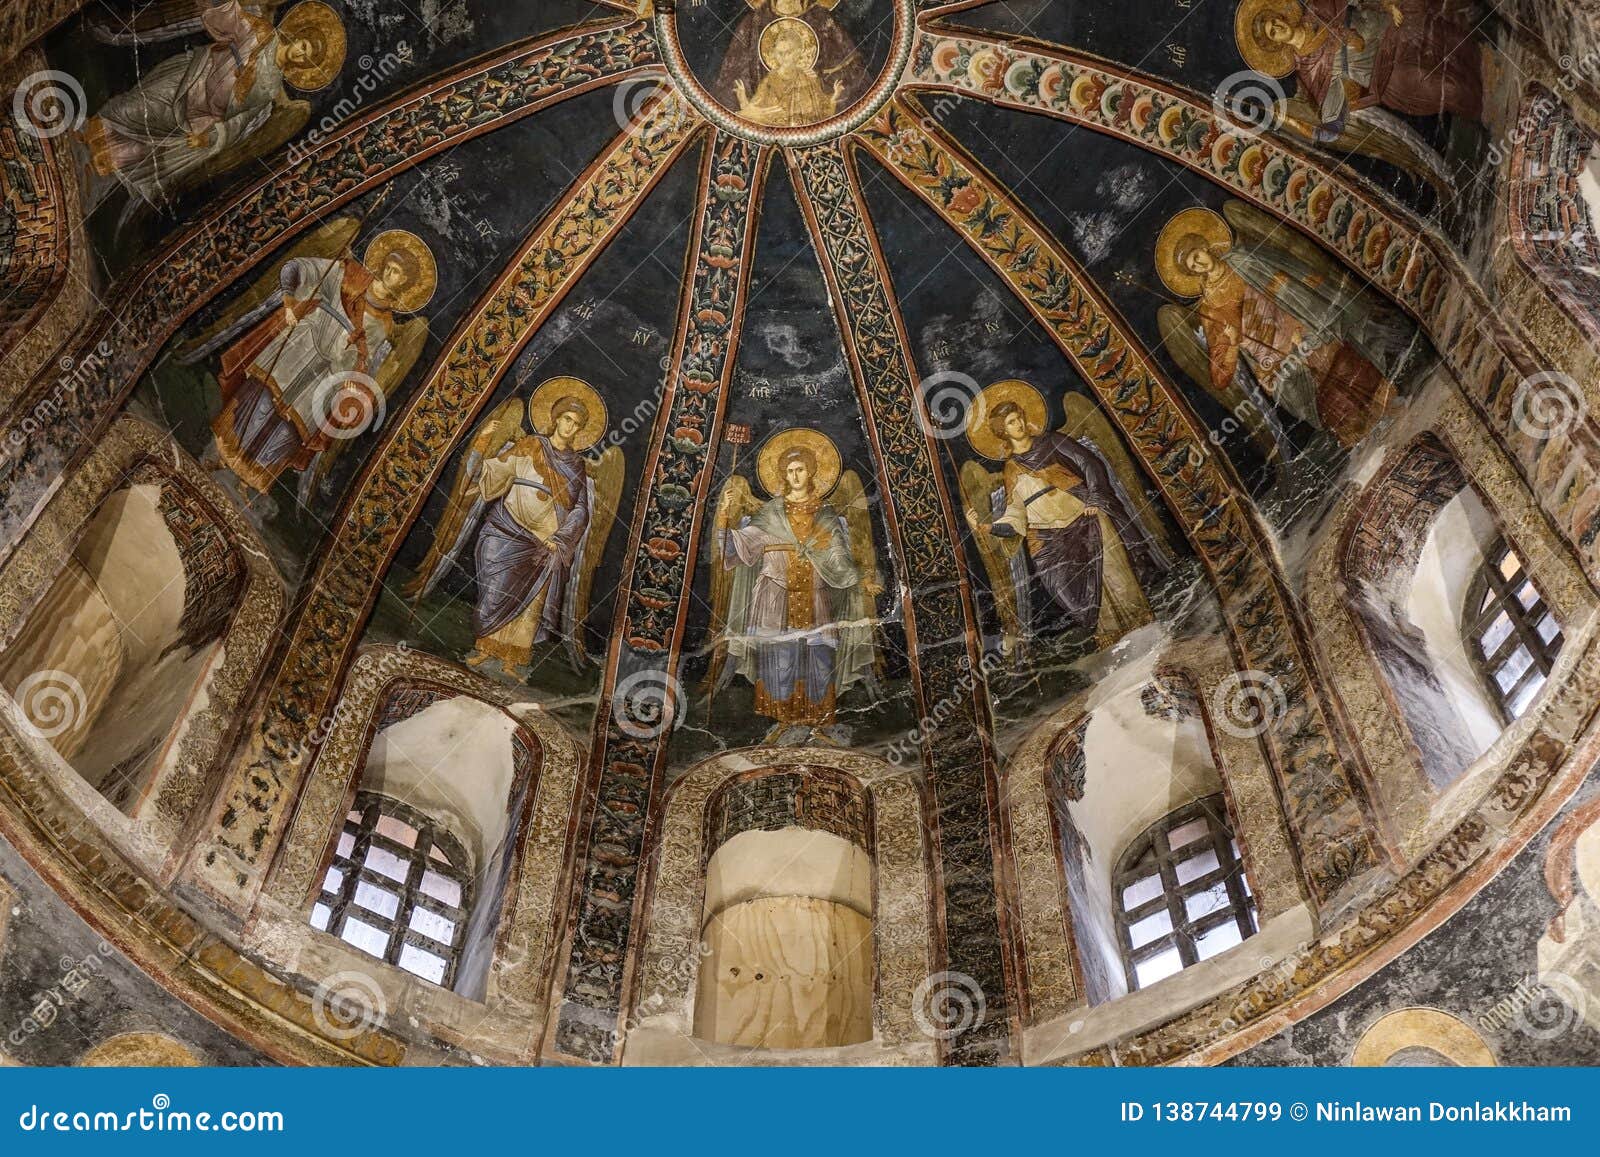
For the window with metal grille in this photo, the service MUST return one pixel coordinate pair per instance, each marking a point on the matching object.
(397, 889)
(1512, 634)
(1180, 893)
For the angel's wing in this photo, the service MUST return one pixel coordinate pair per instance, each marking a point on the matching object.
(1087, 422)
(403, 353)
(849, 502)
(331, 239)
(287, 119)
(404, 350)
(1183, 338)
(735, 501)
(606, 473)
(1377, 133)
(1255, 227)
(160, 20)
(977, 498)
(502, 427)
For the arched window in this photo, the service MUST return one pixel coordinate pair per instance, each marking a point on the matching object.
(1181, 893)
(1512, 633)
(398, 889)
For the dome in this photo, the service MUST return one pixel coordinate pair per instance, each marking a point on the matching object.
(800, 531)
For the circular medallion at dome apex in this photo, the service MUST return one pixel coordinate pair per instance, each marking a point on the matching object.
(789, 72)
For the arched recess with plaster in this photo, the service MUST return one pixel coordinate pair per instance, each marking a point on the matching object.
(133, 623)
(1386, 578)
(709, 862)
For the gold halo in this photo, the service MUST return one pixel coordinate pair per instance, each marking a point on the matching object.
(984, 440)
(769, 38)
(1259, 53)
(769, 460)
(314, 21)
(549, 393)
(1202, 224)
(139, 1050)
(417, 293)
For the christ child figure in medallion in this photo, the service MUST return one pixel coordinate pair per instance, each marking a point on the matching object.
(838, 72)
(794, 582)
(311, 352)
(791, 93)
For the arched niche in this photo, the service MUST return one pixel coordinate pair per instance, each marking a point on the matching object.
(1082, 789)
(133, 617)
(493, 773)
(788, 912)
(1386, 585)
(1418, 540)
(810, 849)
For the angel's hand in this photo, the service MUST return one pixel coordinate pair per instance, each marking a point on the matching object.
(741, 92)
(838, 91)
(871, 587)
(974, 521)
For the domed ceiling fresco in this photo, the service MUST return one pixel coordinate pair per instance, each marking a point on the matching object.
(800, 531)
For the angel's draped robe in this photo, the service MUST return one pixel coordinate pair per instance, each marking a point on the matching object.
(1086, 563)
(188, 108)
(1428, 64)
(1317, 348)
(798, 620)
(539, 509)
(281, 383)
(837, 56)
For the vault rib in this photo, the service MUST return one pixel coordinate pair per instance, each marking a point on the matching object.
(231, 235)
(1324, 802)
(971, 872)
(599, 958)
(230, 861)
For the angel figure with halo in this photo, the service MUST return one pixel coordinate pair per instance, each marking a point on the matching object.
(1057, 527)
(534, 509)
(1358, 63)
(1278, 327)
(212, 108)
(311, 352)
(794, 583)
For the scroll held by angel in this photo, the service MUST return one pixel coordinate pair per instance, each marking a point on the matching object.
(1058, 529)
